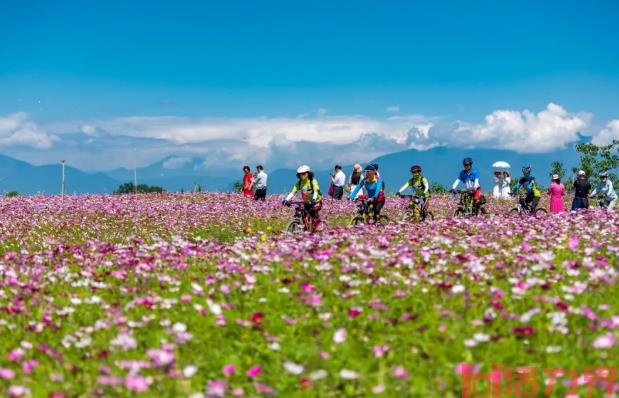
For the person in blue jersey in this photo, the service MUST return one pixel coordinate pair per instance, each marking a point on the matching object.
(469, 177)
(374, 188)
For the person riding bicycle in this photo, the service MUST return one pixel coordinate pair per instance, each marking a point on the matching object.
(469, 177)
(606, 191)
(374, 188)
(529, 184)
(420, 186)
(310, 193)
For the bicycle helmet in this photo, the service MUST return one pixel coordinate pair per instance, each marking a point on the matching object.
(526, 169)
(604, 174)
(303, 169)
(375, 165)
(370, 167)
(467, 162)
(416, 168)
(581, 173)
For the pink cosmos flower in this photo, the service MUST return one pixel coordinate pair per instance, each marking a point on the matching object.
(216, 388)
(29, 365)
(605, 341)
(6, 374)
(229, 370)
(254, 371)
(136, 383)
(400, 373)
(380, 350)
(15, 355)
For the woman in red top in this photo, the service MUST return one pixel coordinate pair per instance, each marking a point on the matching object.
(247, 180)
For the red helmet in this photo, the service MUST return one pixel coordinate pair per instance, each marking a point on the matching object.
(416, 169)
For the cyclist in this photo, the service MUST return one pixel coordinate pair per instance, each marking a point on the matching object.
(469, 177)
(528, 183)
(420, 186)
(310, 193)
(606, 191)
(374, 188)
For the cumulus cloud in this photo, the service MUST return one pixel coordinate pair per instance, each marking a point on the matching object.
(608, 134)
(17, 130)
(522, 131)
(176, 162)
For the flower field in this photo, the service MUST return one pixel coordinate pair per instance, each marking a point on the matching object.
(202, 295)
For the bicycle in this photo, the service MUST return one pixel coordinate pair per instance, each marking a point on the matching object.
(467, 206)
(522, 208)
(365, 214)
(302, 220)
(414, 211)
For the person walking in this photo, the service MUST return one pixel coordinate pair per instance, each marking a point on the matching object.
(338, 180)
(556, 192)
(355, 178)
(260, 184)
(247, 180)
(582, 187)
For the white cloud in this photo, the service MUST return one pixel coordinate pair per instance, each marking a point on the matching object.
(608, 134)
(17, 130)
(522, 131)
(176, 162)
(320, 140)
(393, 109)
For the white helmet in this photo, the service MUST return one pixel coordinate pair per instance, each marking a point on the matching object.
(303, 169)
(581, 173)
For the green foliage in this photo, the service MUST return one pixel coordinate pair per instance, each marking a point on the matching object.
(597, 159)
(557, 167)
(197, 188)
(129, 187)
(437, 188)
(11, 194)
(237, 186)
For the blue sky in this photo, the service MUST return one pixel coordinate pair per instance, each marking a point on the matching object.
(65, 65)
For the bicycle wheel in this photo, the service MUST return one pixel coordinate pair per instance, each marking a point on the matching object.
(428, 215)
(459, 212)
(294, 226)
(514, 211)
(541, 212)
(356, 220)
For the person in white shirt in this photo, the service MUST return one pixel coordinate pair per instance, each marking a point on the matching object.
(260, 184)
(338, 180)
(606, 191)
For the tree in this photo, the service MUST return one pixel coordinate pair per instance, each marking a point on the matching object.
(597, 159)
(557, 167)
(237, 186)
(11, 194)
(140, 188)
(437, 188)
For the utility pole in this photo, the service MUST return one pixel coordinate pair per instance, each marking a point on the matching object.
(62, 181)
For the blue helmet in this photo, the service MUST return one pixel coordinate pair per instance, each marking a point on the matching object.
(467, 162)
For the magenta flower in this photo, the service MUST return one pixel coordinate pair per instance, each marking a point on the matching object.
(229, 370)
(254, 372)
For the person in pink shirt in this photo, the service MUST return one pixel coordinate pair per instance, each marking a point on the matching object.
(556, 192)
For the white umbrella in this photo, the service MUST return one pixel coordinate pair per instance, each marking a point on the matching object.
(501, 165)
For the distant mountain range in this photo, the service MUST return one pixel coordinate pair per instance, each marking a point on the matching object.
(176, 173)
